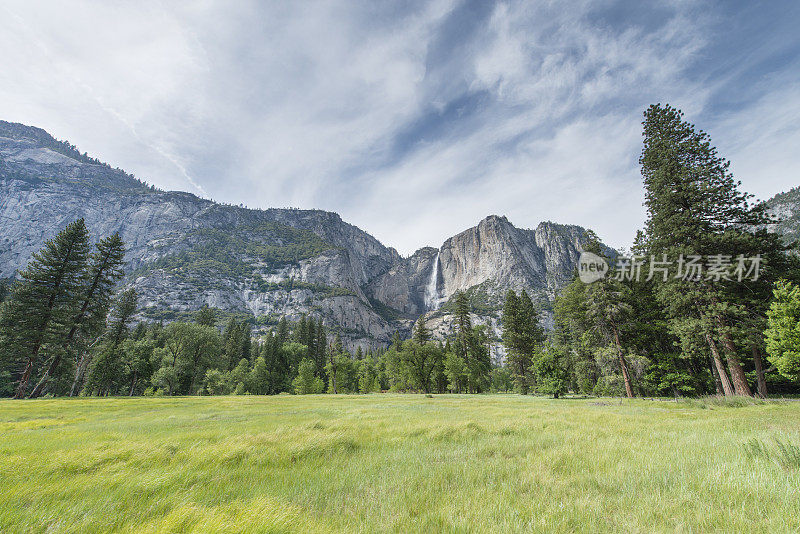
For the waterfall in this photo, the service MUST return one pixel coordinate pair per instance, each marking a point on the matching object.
(432, 297)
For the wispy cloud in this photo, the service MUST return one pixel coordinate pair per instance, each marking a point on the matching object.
(411, 120)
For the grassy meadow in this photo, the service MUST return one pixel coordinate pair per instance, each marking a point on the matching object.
(397, 463)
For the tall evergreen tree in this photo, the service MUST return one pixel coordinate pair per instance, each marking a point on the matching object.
(419, 356)
(105, 271)
(45, 300)
(522, 338)
(231, 336)
(206, 316)
(334, 364)
(246, 340)
(421, 333)
(282, 333)
(695, 208)
(3, 290)
(104, 371)
(320, 346)
(608, 308)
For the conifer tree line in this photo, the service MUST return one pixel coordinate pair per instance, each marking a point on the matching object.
(56, 311)
(66, 329)
(64, 332)
(672, 335)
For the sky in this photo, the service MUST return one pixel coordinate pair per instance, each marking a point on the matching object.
(412, 120)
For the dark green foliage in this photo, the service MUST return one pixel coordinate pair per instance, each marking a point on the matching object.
(4, 289)
(695, 207)
(368, 375)
(137, 356)
(551, 371)
(189, 351)
(43, 304)
(307, 382)
(232, 252)
(501, 380)
(108, 364)
(237, 342)
(104, 272)
(677, 336)
(419, 358)
(783, 330)
(206, 316)
(470, 347)
(522, 338)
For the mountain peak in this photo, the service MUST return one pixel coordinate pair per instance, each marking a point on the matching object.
(15, 130)
(494, 220)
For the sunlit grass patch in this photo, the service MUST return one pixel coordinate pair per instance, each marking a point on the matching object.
(397, 463)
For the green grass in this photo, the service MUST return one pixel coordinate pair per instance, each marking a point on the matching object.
(401, 463)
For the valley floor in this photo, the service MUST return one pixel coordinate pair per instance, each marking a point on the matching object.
(400, 463)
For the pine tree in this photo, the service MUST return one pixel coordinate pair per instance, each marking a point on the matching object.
(307, 382)
(233, 345)
(462, 313)
(522, 337)
(463, 324)
(421, 333)
(609, 308)
(246, 340)
(105, 370)
(321, 347)
(258, 380)
(479, 363)
(301, 331)
(518, 362)
(104, 273)
(419, 357)
(3, 290)
(45, 299)
(695, 208)
(334, 363)
(282, 333)
(206, 316)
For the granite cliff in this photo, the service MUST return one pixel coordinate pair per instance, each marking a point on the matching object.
(185, 251)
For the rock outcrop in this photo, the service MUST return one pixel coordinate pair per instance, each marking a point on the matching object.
(184, 251)
(489, 259)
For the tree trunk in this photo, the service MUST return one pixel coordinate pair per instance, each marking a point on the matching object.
(625, 376)
(39, 389)
(740, 385)
(76, 323)
(715, 374)
(133, 385)
(79, 372)
(727, 387)
(26, 375)
(23, 381)
(738, 378)
(762, 380)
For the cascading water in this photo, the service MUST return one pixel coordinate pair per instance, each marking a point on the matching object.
(432, 297)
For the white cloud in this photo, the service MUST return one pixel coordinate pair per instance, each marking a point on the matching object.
(348, 107)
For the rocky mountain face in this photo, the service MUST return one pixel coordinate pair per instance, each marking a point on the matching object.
(485, 261)
(184, 251)
(489, 259)
(785, 207)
